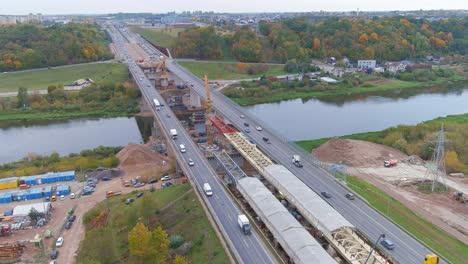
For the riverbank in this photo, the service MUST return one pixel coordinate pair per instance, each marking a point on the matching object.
(251, 93)
(19, 116)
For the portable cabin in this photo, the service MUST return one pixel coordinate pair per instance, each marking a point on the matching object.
(63, 190)
(9, 183)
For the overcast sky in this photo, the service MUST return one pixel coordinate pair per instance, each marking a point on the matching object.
(20, 7)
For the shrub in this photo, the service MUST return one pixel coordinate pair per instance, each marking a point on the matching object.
(176, 241)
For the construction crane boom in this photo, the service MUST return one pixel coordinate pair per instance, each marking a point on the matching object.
(208, 105)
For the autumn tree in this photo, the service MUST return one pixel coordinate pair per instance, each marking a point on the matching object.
(180, 260)
(245, 46)
(316, 44)
(22, 97)
(374, 36)
(452, 162)
(159, 244)
(139, 239)
(363, 39)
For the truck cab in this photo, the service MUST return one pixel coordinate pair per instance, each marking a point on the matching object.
(207, 189)
(296, 160)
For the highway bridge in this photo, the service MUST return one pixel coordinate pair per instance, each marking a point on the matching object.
(246, 249)
(368, 221)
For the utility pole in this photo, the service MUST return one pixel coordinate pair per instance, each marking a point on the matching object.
(436, 169)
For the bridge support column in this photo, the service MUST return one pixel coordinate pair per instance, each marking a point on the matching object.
(194, 99)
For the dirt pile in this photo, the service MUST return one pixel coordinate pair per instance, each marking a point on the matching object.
(135, 154)
(356, 153)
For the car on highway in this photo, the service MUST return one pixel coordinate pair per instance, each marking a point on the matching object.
(54, 254)
(267, 140)
(242, 116)
(166, 178)
(190, 162)
(388, 244)
(246, 124)
(259, 128)
(350, 196)
(247, 130)
(140, 194)
(326, 195)
(59, 242)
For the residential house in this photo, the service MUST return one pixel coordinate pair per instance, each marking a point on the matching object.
(367, 64)
(395, 66)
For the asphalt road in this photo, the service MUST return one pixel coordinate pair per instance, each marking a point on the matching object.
(359, 213)
(246, 248)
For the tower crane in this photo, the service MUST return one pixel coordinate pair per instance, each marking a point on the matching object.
(208, 104)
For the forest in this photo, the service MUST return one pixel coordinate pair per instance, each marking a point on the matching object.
(386, 38)
(30, 46)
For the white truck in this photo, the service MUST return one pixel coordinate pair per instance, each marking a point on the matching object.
(296, 160)
(244, 224)
(157, 105)
(207, 189)
(173, 133)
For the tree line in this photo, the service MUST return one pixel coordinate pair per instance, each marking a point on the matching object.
(386, 38)
(28, 46)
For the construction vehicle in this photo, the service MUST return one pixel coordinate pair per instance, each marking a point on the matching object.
(431, 259)
(460, 197)
(5, 230)
(173, 133)
(244, 224)
(110, 194)
(390, 163)
(296, 160)
(208, 106)
(24, 186)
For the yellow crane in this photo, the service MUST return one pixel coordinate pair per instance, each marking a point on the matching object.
(162, 66)
(208, 104)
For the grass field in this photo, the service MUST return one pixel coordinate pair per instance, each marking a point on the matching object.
(184, 217)
(377, 136)
(449, 247)
(41, 78)
(60, 115)
(159, 36)
(227, 71)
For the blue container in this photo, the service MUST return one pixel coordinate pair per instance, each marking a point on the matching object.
(35, 193)
(20, 196)
(29, 180)
(8, 212)
(47, 191)
(63, 190)
(6, 198)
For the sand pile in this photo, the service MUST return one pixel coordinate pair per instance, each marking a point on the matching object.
(135, 154)
(356, 153)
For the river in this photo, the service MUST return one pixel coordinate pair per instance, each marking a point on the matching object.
(65, 136)
(312, 119)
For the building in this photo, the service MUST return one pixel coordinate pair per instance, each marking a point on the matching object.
(395, 66)
(366, 64)
(23, 210)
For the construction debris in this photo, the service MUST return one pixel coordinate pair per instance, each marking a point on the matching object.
(11, 250)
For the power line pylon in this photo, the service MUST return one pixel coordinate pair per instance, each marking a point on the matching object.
(436, 170)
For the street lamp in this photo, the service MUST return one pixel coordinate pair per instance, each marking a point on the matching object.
(382, 236)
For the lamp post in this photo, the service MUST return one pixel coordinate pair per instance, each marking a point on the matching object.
(373, 248)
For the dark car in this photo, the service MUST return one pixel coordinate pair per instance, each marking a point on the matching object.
(267, 140)
(140, 194)
(153, 181)
(167, 184)
(68, 225)
(71, 218)
(350, 196)
(54, 254)
(388, 244)
(129, 200)
(326, 195)
(246, 124)
(106, 179)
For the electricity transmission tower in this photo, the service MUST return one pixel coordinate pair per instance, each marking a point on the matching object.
(436, 169)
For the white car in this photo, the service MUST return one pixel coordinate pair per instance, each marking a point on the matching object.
(165, 178)
(259, 128)
(72, 196)
(59, 242)
(190, 162)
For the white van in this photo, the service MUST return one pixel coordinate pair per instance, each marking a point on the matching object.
(207, 189)
(182, 148)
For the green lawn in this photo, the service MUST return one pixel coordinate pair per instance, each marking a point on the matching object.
(449, 247)
(184, 217)
(40, 79)
(158, 36)
(228, 71)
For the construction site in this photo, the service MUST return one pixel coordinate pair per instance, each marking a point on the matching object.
(408, 181)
